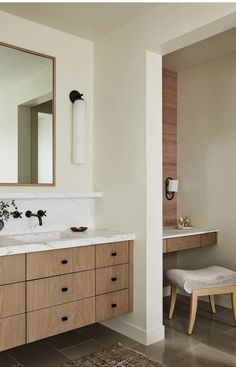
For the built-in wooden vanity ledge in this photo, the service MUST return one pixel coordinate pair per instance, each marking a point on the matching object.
(180, 239)
(68, 281)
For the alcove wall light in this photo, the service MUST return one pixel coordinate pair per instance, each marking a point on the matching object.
(78, 127)
(171, 188)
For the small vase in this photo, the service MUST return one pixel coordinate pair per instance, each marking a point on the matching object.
(1, 224)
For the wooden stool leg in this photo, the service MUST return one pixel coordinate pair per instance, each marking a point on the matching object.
(212, 303)
(193, 311)
(173, 301)
(233, 298)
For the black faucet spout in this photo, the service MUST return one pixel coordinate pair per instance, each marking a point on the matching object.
(39, 215)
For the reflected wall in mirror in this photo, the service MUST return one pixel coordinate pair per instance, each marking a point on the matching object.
(26, 117)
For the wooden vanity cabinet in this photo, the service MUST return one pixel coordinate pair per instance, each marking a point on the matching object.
(188, 242)
(51, 292)
(114, 280)
(12, 269)
(55, 262)
(12, 301)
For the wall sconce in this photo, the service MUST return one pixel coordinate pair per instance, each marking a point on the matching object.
(78, 127)
(171, 188)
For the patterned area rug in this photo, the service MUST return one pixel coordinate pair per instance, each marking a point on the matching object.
(114, 356)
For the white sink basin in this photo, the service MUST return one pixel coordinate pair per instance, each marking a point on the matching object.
(37, 237)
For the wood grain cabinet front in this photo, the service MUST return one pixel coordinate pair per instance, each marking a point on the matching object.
(12, 269)
(208, 239)
(50, 292)
(55, 262)
(112, 254)
(58, 319)
(112, 278)
(182, 243)
(12, 331)
(189, 242)
(111, 305)
(12, 299)
(60, 289)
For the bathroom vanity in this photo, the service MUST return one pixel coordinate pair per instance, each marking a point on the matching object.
(62, 284)
(175, 240)
(180, 239)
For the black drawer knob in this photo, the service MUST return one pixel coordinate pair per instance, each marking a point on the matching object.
(114, 279)
(64, 261)
(113, 305)
(113, 253)
(64, 318)
(64, 289)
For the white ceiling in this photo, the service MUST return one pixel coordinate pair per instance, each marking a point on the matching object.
(87, 20)
(199, 53)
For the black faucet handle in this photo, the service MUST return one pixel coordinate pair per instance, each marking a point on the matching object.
(42, 213)
(28, 213)
(16, 214)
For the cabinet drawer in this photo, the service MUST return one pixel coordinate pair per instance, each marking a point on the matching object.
(53, 291)
(182, 243)
(12, 332)
(112, 305)
(56, 262)
(59, 319)
(111, 254)
(12, 299)
(111, 278)
(208, 239)
(12, 269)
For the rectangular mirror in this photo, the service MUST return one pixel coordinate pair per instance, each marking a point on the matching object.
(27, 125)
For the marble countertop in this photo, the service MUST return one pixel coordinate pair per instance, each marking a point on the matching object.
(45, 241)
(171, 232)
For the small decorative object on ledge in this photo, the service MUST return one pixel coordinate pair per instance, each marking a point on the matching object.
(6, 213)
(184, 223)
(78, 229)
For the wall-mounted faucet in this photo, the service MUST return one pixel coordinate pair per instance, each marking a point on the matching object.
(39, 215)
(16, 214)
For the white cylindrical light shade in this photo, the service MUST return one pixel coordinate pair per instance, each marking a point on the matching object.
(79, 131)
(173, 185)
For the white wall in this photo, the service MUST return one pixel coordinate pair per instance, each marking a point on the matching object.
(74, 70)
(206, 157)
(124, 149)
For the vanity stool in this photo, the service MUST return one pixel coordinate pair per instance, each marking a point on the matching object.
(202, 282)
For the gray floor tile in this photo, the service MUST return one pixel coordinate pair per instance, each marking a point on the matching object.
(106, 336)
(6, 360)
(231, 332)
(205, 356)
(82, 349)
(66, 340)
(158, 353)
(38, 354)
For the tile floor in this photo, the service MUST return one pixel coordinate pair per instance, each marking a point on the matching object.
(213, 343)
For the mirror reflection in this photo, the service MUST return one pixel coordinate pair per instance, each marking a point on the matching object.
(26, 117)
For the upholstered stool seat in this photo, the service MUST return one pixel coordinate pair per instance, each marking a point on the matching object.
(202, 282)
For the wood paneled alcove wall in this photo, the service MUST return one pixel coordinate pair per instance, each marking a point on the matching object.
(169, 100)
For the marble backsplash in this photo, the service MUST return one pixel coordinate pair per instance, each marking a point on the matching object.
(62, 213)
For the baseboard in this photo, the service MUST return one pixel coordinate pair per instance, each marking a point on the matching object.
(138, 334)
